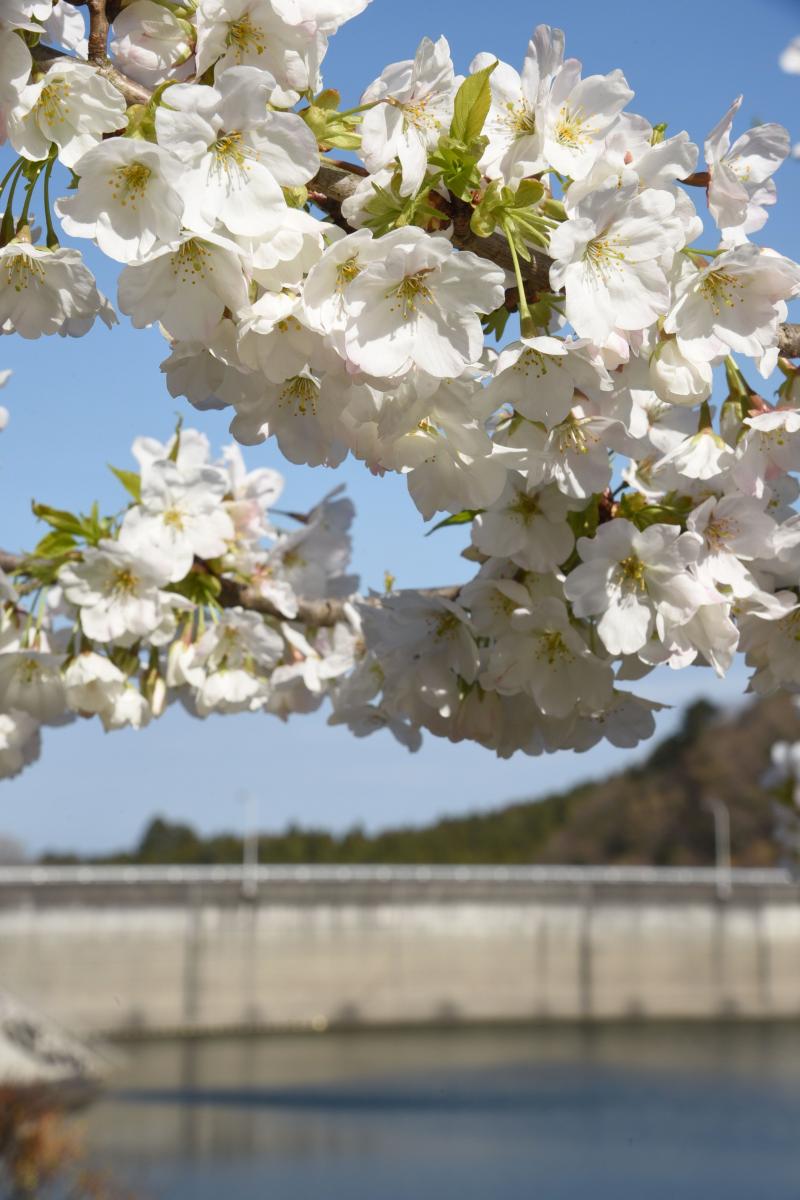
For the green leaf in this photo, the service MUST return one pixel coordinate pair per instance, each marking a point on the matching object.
(55, 544)
(584, 521)
(331, 128)
(130, 480)
(518, 213)
(672, 509)
(387, 209)
(125, 658)
(176, 445)
(471, 105)
(459, 165)
(67, 522)
(329, 99)
(460, 518)
(199, 588)
(494, 323)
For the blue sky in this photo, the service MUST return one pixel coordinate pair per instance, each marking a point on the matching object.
(77, 405)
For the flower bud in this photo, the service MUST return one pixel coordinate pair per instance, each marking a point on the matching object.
(676, 379)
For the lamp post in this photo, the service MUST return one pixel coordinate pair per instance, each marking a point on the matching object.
(250, 845)
(722, 845)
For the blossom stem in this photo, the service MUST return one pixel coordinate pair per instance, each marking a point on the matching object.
(696, 252)
(15, 166)
(52, 236)
(351, 112)
(33, 179)
(526, 323)
(7, 228)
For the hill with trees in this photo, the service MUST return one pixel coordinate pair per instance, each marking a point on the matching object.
(653, 812)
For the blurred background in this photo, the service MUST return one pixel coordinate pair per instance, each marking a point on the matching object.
(451, 976)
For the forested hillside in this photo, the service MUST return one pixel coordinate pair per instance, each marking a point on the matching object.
(651, 813)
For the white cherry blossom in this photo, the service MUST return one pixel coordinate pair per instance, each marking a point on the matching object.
(179, 516)
(740, 174)
(235, 154)
(92, 684)
(273, 37)
(678, 379)
(48, 291)
(30, 682)
(609, 259)
(148, 40)
(186, 286)
(577, 114)
(635, 582)
(70, 105)
(539, 376)
(514, 122)
(547, 657)
(408, 307)
(15, 69)
(734, 303)
(20, 743)
(66, 26)
(529, 528)
(413, 106)
(128, 198)
(116, 592)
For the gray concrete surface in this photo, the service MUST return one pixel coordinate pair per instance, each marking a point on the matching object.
(122, 950)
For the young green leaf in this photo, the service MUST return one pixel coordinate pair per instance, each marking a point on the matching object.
(460, 518)
(471, 106)
(54, 544)
(64, 521)
(130, 480)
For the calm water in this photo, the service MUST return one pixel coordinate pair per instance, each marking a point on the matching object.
(639, 1113)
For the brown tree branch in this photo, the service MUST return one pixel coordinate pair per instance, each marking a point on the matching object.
(325, 612)
(315, 613)
(134, 93)
(337, 182)
(789, 340)
(98, 31)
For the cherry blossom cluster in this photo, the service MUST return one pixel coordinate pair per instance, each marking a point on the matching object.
(121, 617)
(500, 295)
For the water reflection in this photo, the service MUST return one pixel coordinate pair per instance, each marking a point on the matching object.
(557, 1112)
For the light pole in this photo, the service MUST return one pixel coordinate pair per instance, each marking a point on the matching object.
(722, 844)
(250, 845)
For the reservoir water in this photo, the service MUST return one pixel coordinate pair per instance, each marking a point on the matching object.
(639, 1112)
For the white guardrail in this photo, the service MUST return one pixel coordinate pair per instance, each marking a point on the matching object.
(47, 876)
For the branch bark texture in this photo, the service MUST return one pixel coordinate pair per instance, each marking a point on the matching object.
(321, 613)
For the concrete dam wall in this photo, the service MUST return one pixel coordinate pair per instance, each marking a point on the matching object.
(126, 950)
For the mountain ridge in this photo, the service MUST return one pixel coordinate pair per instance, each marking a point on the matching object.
(653, 812)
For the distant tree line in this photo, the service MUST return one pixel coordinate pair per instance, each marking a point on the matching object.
(654, 812)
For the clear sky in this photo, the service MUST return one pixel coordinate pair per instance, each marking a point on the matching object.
(77, 404)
